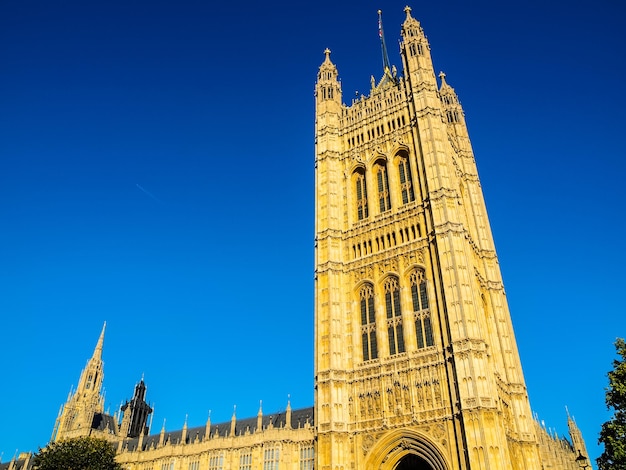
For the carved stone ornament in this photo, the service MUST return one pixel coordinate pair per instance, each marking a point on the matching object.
(405, 444)
(439, 431)
(398, 140)
(368, 442)
(416, 256)
(388, 266)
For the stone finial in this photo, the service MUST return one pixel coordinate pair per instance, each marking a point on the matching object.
(162, 435)
(207, 429)
(259, 417)
(233, 421)
(288, 413)
(183, 437)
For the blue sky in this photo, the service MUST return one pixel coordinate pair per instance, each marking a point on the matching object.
(156, 172)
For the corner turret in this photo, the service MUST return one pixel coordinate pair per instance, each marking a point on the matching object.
(415, 51)
(577, 439)
(136, 413)
(328, 88)
(453, 112)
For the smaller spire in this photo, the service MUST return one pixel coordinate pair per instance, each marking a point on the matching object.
(445, 87)
(288, 413)
(233, 421)
(442, 77)
(151, 418)
(183, 437)
(12, 464)
(98, 350)
(207, 427)
(162, 435)
(140, 442)
(327, 60)
(259, 417)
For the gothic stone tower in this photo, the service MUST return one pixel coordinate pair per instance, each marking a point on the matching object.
(416, 362)
(136, 412)
(86, 404)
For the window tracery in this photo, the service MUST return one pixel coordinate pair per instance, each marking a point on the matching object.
(368, 322)
(384, 201)
(406, 180)
(421, 312)
(394, 316)
(361, 195)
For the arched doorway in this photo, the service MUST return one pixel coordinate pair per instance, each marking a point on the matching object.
(413, 462)
(406, 449)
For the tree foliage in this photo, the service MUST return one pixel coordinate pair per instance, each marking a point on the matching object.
(613, 433)
(82, 453)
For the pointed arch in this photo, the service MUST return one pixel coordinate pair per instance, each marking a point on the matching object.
(398, 445)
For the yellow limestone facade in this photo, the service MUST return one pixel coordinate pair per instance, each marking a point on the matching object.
(77, 415)
(416, 365)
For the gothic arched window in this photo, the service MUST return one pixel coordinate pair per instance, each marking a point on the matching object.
(361, 195)
(384, 202)
(394, 316)
(368, 322)
(419, 296)
(406, 180)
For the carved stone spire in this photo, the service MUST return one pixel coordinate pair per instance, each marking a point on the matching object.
(87, 400)
(259, 418)
(233, 421)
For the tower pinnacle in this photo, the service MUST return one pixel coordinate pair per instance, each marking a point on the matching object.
(87, 401)
(97, 353)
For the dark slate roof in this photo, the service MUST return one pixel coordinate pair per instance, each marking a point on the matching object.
(247, 425)
(104, 422)
(19, 465)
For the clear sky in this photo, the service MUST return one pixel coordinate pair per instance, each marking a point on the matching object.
(156, 172)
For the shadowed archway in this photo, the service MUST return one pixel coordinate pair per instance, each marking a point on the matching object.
(413, 462)
(406, 449)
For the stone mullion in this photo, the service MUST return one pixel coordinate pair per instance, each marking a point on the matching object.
(393, 180)
(382, 335)
(408, 317)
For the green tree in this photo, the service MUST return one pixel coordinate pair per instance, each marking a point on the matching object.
(613, 433)
(81, 453)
